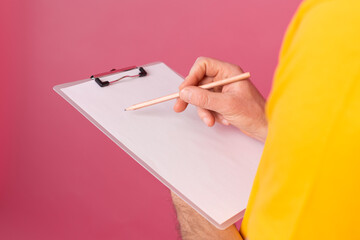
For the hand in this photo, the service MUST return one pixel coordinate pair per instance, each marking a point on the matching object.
(194, 226)
(239, 104)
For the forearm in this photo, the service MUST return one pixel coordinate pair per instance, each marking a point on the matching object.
(194, 226)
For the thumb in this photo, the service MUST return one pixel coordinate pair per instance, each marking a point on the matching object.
(203, 98)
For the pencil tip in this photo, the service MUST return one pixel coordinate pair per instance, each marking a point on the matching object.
(125, 110)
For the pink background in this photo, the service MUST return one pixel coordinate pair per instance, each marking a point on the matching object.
(60, 177)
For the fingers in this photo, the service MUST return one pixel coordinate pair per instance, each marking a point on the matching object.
(209, 117)
(180, 105)
(206, 116)
(204, 70)
(202, 98)
(203, 67)
(220, 119)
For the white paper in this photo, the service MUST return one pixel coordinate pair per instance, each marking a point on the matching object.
(211, 168)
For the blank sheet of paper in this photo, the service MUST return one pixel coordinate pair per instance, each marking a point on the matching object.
(212, 169)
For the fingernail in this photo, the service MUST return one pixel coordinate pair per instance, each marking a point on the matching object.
(185, 95)
(206, 121)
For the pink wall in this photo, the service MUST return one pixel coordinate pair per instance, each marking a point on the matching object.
(60, 177)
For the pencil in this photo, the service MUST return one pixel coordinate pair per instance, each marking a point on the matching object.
(176, 95)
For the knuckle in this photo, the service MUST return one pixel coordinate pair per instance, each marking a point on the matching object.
(199, 59)
(202, 61)
(234, 70)
(238, 68)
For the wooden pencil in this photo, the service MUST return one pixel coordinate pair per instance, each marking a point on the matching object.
(176, 95)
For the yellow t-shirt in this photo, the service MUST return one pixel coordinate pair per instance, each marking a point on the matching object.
(308, 182)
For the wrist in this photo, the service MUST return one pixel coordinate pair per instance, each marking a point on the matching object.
(261, 134)
(257, 131)
(193, 226)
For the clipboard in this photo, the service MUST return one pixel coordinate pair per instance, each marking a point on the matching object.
(211, 169)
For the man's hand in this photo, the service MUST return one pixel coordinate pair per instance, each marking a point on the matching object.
(194, 227)
(239, 104)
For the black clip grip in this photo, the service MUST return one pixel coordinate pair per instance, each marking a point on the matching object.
(101, 83)
(142, 73)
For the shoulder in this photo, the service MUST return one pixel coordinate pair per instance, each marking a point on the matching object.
(327, 24)
(322, 47)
